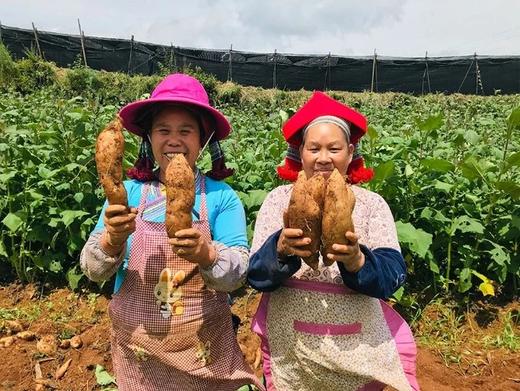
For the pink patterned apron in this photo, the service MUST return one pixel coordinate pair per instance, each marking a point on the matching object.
(170, 331)
(324, 336)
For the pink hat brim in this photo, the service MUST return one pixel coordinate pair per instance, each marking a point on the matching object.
(131, 111)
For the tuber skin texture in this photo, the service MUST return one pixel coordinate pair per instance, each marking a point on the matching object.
(304, 212)
(337, 214)
(180, 195)
(110, 147)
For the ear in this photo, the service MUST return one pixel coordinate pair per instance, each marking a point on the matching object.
(166, 275)
(179, 276)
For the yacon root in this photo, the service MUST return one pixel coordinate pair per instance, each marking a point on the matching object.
(304, 212)
(110, 147)
(180, 195)
(337, 213)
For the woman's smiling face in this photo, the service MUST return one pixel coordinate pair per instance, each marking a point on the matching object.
(175, 130)
(325, 147)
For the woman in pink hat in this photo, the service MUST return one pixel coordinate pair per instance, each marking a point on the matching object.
(329, 329)
(171, 322)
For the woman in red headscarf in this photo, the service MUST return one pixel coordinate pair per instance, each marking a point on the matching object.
(329, 329)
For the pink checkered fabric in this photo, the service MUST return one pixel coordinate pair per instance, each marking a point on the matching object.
(151, 352)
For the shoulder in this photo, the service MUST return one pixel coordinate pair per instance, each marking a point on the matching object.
(369, 198)
(280, 193)
(214, 185)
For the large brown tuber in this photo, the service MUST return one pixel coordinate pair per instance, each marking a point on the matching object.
(180, 194)
(337, 213)
(110, 147)
(304, 212)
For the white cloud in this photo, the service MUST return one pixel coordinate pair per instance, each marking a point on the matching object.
(343, 27)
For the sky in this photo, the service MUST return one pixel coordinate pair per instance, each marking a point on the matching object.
(407, 28)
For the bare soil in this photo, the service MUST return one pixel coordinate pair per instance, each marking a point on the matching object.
(64, 314)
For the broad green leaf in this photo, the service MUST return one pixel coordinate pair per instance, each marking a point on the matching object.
(384, 170)
(284, 116)
(103, 378)
(78, 197)
(12, 221)
(254, 198)
(440, 165)
(514, 160)
(68, 216)
(3, 252)
(398, 294)
(4, 178)
(509, 187)
(35, 195)
(465, 280)
(408, 170)
(471, 137)
(45, 173)
(55, 266)
(431, 123)
(498, 254)
(73, 278)
(467, 224)
(443, 186)
(513, 121)
(434, 267)
(372, 133)
(417, 240)
(471, 168)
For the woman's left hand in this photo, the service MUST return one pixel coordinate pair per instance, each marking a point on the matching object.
(349, 254)
(190, 245)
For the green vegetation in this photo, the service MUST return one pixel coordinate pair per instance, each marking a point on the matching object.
(447, 165)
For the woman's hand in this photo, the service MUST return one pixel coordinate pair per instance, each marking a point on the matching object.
(349, 254)
(119, 224)
(291, 241)
(190, 245)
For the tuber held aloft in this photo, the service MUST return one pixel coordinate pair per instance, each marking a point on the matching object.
(180, 194)
(110, 147)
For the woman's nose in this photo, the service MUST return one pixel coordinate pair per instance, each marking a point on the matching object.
(324, 156)
(174, 140)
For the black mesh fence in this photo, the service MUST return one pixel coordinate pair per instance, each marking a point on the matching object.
(467, 74)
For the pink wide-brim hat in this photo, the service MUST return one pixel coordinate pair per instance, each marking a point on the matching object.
(180, 89)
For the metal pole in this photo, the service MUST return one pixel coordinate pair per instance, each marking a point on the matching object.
(82, 44)
(129, 71)
(174, 59)
(230, 69)
(476, 73)
(171, 57)
(427, 72)
(274, 69)
(373, 71)
(37, 41)
(327, 80)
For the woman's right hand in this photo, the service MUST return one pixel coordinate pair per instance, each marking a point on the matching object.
(291, 241)
(119, 224)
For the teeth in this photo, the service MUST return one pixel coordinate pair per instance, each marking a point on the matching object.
(170, 155)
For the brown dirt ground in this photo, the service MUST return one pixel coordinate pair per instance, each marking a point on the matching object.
(63, 314)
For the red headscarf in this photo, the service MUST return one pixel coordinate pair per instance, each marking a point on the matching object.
(319, 105)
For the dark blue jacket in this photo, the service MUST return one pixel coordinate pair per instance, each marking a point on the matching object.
(382, 274)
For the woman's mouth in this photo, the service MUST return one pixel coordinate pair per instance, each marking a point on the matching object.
(170, 155)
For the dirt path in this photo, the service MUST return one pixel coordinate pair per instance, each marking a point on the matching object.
(65, 314)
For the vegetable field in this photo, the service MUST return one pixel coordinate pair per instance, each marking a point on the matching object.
(449, 167)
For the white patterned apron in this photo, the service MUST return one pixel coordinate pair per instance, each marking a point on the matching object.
(323, 336)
